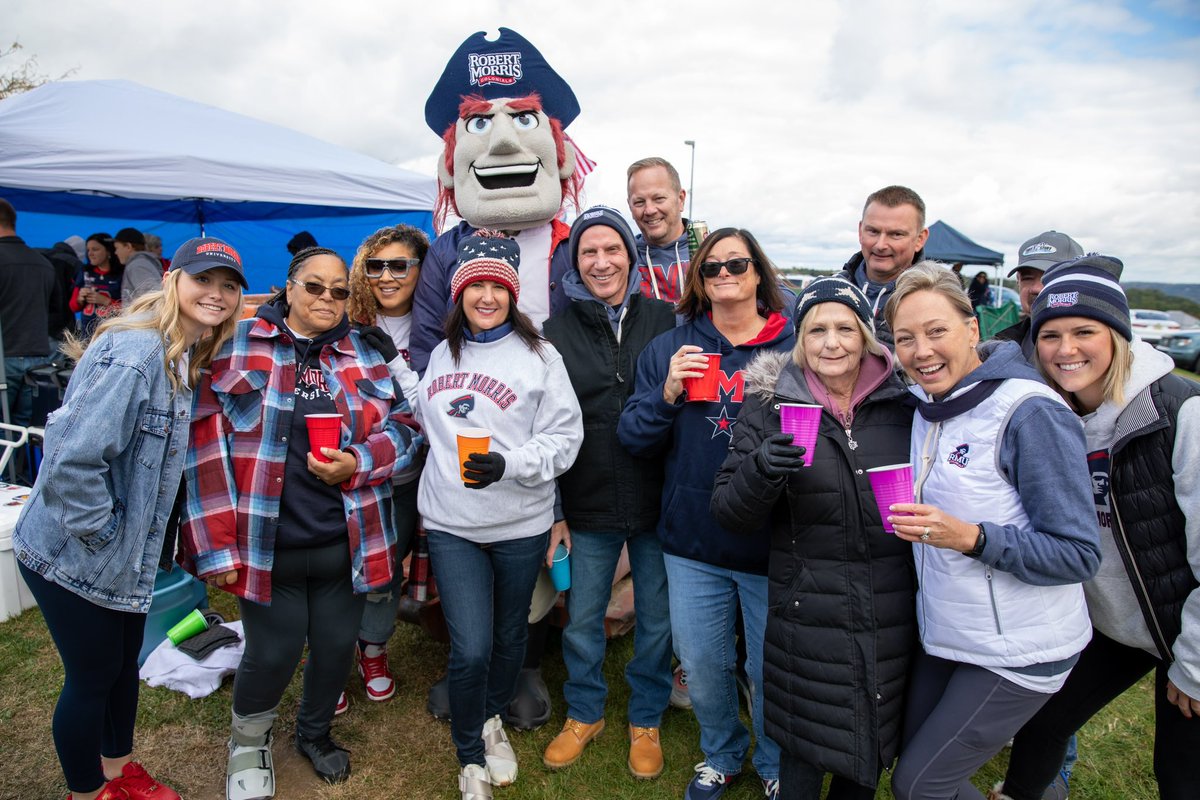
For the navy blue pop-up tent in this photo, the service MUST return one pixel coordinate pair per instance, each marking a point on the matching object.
(948, 245)
(77, 157)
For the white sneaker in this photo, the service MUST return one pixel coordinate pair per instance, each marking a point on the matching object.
(473, 783)
(501, 760)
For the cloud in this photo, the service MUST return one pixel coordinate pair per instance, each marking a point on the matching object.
(1007, 117)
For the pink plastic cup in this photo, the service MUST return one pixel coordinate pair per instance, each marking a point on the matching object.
(324, 430)
(707, 388)
(802, 421)
(891, 484)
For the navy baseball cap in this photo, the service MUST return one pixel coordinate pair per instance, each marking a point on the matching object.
(508, 67)
(207, 252)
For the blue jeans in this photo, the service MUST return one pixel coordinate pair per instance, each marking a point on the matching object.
(594, 557)
(704, 601)
(379, 615)
(20, 394)
(485, 591)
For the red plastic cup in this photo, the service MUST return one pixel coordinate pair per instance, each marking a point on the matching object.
(891, 484)
(706, 388)
(324, 430)
(802, 421)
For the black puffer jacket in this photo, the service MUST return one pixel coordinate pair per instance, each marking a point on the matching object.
(841, 626)
(607, 488)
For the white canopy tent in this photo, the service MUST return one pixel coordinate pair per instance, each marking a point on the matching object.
(78, 157)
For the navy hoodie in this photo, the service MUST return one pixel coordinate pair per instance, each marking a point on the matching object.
(311, 512)
(694, 438)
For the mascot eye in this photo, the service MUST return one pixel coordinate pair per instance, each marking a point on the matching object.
(525, 121)
(479, 125)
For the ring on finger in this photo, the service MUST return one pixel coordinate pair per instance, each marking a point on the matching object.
(925, 534)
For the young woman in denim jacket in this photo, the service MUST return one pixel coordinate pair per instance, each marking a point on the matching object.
(91, 537)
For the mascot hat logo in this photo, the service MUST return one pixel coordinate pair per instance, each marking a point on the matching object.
(510, 66)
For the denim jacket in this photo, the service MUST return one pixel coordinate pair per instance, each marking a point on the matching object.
(95, 519)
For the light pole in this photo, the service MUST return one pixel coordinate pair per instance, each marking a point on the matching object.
(691, 178)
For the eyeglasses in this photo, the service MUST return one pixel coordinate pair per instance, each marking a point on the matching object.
(736, 266)
(398, 267)
(318, 289)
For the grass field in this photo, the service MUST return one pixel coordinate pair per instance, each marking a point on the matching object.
(399, 751)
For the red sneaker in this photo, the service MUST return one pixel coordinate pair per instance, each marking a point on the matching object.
(343, 705)
(374, 671)
(137, 784)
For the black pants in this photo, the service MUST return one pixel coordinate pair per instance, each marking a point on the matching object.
(98, 704)
(1105, 670)
(800, 780)
(313, 600)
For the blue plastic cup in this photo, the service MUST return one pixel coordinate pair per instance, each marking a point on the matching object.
(560, 568)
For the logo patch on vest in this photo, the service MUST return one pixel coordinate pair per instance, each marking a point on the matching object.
(461, 406)
(959, 457)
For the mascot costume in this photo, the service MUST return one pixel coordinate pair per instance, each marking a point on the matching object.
(507, 165)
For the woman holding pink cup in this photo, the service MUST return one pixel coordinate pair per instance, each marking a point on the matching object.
(1000, 546)
(838, 586)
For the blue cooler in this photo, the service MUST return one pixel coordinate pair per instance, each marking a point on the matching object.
(176, 593)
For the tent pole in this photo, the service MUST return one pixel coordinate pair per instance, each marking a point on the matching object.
(200, 213)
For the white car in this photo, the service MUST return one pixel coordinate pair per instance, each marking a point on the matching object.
(1151, 325)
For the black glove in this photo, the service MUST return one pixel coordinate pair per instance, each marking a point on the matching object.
(484, 469)
(377, 338)
(777, 457)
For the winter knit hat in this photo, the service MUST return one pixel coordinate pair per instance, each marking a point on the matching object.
(1085, 287)
(834, 290)
(602, 215)
(487, 256)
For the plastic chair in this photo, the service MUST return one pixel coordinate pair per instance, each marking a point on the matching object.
(10, 445)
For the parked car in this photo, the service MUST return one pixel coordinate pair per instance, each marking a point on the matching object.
(1007, 295)
(1151, 325)
(1184, 347)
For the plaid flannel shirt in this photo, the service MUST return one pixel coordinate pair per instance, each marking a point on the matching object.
(241, 417)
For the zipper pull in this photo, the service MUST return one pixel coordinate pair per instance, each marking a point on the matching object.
(850, 440)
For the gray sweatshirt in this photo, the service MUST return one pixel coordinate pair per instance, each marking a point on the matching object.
(1111, 601)
(143, 273)
(526, 401)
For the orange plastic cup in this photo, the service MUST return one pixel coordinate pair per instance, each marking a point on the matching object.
(324, 430)
(472, 440)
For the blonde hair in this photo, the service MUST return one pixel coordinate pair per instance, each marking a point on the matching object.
(928, 276)
(1115, 377)
(362, 305)
(870, 343)
(159, 311)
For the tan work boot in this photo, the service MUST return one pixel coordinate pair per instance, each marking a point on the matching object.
(568, 746)
(645, 753)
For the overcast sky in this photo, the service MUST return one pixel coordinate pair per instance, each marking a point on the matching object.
(1007, 116)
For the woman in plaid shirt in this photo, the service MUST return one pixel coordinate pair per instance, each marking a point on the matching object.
(299, 540)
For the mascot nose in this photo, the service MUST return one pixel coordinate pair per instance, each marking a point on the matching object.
(504, 136)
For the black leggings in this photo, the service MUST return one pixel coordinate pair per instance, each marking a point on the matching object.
(98, 704)
(1105, 670)
(800, 780)
(313, 600)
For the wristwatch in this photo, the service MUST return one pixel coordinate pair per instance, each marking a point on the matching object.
(977, 550)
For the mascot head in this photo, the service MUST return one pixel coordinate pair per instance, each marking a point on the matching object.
(501, 110)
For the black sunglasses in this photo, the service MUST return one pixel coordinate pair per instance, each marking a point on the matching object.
(736, 266)
(318, 289)
(399, 267)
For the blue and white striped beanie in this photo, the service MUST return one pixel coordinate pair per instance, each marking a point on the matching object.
(1087, 286)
